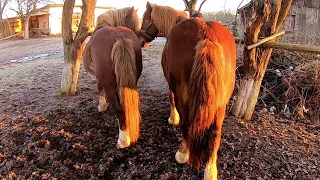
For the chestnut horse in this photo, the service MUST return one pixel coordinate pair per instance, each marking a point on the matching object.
(113, 55)
(126, 17)
(199, 62)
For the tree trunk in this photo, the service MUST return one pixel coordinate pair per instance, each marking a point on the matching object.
(190, 6)
(1, 24)
(73, 47)
(249, 90)
(70, 73)
(26, 28)
(267, 20)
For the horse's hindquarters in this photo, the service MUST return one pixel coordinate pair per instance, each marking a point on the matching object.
(117, 63)
(199, 64)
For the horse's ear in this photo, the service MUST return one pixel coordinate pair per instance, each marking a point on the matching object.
(137, 9)
(131, 10)
(148, 5)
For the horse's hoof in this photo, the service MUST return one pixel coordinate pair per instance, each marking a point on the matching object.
(210, 175)
(123, 140)
(122, 145)
(103, 107)
(170, 121)
(182, 158)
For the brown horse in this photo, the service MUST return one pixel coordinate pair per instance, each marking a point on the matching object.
(199, 62)
(113, 55)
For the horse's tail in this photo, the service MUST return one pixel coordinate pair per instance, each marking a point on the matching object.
(87, 60)
(123, 57)
(205, 97)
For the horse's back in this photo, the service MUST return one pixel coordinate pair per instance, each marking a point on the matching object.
(101, 47)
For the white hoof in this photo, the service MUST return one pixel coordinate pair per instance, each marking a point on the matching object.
(123, 140)
(210, 174)
(175, 123)
(102, 107)
(182, 158)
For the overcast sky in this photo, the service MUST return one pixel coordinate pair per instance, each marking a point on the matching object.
(209, 6)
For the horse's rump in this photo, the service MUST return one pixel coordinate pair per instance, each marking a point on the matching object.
(210, 87)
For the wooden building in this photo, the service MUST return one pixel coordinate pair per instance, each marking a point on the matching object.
(48, 19)
(303, 22)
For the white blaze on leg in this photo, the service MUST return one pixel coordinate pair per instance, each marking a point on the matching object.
(103, 105)
(174, 116)
(211, 171)
(124, 138)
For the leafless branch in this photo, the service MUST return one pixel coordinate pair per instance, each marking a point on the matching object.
(25, 8)
(3, 5)
(186, 3)
(201, 5)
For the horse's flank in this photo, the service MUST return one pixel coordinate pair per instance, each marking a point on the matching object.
(165, 17)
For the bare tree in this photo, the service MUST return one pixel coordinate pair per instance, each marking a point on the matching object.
(3, 4)
(267, 20)
(25, 9)
(73, 46)
(191, 6)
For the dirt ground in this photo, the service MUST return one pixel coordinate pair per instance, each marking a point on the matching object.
(44, 135)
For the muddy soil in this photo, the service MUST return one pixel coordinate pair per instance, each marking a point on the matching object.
(44, 135)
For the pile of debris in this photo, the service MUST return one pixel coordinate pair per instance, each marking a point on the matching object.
(291, 87)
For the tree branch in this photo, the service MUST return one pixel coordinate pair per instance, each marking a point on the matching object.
(202, 4)
(285, 8)
(67, 21)
(3, 5)
(88, 7)
(265, 40)
(186, 3)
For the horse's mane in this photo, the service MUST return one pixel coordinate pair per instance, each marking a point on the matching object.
(165, 17)
(115, 18)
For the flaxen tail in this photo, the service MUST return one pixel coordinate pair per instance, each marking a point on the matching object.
(124, 61)
(87, 60)
(205, 97)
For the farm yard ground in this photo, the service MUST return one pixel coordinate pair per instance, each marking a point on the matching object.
(46, 135)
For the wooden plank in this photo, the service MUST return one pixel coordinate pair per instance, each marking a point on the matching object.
(265, 40)
(292, 47)
(287, 46)
(9, 37)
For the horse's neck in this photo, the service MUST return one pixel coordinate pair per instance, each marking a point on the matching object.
(112, 20)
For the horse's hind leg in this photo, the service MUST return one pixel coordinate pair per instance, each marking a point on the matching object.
(124, 137)
(182, 155)
(211, 171)
(103, 105)
(174, 115)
